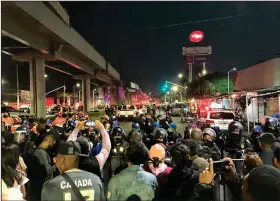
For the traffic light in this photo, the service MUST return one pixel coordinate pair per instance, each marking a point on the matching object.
(165, 87)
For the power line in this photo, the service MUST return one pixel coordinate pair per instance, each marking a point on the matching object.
(192, 22)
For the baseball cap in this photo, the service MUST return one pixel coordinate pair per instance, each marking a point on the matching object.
(157, 151)
(264, 183)
(70, 148)
(200, 164)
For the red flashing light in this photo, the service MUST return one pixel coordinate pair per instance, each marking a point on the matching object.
(209, 122)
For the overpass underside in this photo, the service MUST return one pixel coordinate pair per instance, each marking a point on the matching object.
(29, 36)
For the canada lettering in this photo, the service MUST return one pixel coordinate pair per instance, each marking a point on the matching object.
(79, 183)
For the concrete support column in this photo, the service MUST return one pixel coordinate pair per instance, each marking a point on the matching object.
(38, 87)
(279, 102)
(86, 98)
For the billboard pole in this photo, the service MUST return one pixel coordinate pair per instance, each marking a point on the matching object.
(190, 72)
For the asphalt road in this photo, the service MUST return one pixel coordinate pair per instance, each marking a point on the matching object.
(126, 125)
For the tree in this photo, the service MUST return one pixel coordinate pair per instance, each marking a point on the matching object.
(210, 84)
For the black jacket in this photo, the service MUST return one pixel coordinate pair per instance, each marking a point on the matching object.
(180, 184)
(202, 192)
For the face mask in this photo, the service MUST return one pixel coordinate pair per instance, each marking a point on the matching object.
(208, 143)
(117, 141)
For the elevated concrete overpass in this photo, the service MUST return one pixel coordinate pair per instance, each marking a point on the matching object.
(43, 28)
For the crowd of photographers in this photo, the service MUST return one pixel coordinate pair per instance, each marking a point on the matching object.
(75, 158)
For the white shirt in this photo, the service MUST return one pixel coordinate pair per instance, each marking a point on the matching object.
(14, 192)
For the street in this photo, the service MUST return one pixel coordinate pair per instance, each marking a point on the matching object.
(126, 125)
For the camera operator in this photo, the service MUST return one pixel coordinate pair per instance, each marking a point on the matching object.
(233, 179)
(99, 160)
(183, 182)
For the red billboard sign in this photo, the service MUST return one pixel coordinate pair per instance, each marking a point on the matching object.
(196, 36)
(189, 59)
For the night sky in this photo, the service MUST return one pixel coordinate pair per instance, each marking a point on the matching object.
(149, 57)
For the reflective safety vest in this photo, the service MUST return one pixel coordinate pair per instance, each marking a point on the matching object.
(9, 121)
(59, 121)
(14, 127)
(34, 129)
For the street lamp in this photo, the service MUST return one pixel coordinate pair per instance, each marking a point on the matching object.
(175, 88)
(74, 90)
(45, 75)
(228, 77)
(204, 71)
(180, 75)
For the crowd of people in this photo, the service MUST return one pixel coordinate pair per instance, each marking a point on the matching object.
(75, 158)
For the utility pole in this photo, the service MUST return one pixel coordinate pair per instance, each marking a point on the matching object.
(17, 88)
(64, 95)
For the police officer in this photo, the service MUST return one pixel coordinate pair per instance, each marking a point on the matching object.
(148, 129)
(254, 138)
(119, 145)
(159, 136)
(172, 134)
(135, 128)
(209, 148)
(113, 121)
(270, 126)
(108, 111)
(236, 140)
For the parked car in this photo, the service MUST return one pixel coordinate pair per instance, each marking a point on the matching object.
(24, 108)
(216, 117)
(127, 111)
(176, 108)
(14, 113)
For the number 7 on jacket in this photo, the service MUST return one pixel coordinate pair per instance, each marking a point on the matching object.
(88, 194)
